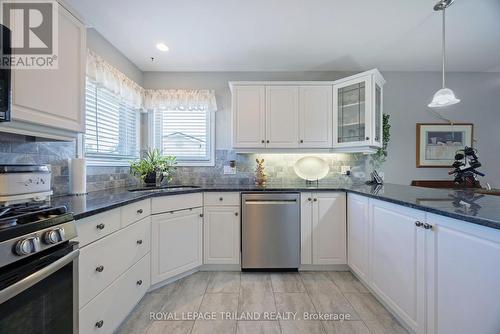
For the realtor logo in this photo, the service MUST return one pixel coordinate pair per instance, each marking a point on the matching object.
(33, 38)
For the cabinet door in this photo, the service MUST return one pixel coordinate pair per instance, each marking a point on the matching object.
(222, 235)
(329, 228)
(378, 112)
(176, 243)
(282, 116)
(352, 112)
(463, 271)
(315, 117)
(306, 228)
(248, 103)
(357, 234)
(55, 98)
(397, 260)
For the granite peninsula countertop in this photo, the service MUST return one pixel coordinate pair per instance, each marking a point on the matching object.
(465, 205)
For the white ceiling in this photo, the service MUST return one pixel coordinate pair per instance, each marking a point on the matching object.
(298, 35)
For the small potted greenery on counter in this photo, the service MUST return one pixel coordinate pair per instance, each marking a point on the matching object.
(154, 165)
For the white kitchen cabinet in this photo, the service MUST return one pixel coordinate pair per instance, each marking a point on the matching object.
(315, 116)
(463, 271)
(357, 115)
(357, 234)
(221, 234)
(249, 113)
(54, 98)
(105, 312)
(323, 228)
(282, 116)
(176, 243)
(397, 251)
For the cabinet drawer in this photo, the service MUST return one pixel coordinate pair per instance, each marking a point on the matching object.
(222, 198)
(176, 202)
(103, 261)
(135, 212)
(112, 305)
(95, 227)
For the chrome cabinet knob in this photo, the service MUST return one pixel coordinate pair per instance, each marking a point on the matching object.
(301, 141)
(309, 199)
(367, 138)
(315, 200)
(140, 211)
(236, 213)
(428, 226)
(139, 282)
(100, 226)
(99, 324)
(139, 242)
(221, 199)
(418, 224)
(201, 215)
(263, 141)
(99, 269)
(267, 141)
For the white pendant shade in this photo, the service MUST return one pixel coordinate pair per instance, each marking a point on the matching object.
(443, 97)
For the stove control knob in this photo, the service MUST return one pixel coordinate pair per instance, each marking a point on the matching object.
(54, 236)
(27, 246)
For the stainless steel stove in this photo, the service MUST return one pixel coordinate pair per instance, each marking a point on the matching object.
(38, 256)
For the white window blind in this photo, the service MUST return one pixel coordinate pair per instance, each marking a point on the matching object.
(112, 126)
(186, 134)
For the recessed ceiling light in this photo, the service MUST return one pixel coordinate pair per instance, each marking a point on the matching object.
(162, 47)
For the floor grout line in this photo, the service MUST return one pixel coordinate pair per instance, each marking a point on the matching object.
(274, 298)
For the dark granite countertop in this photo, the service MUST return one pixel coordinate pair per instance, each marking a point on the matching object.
(465, 205)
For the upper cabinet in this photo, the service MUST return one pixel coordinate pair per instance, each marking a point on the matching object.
(358, 110)
(51, 101)
(344, 115)
(282, 116)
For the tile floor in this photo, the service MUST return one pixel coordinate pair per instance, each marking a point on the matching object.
(242, 294)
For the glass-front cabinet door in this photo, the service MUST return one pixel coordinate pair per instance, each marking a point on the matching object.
(357, 120)
(352, 113)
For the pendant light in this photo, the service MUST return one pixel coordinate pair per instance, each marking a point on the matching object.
(445, 96)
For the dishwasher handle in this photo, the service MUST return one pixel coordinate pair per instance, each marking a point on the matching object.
(270, 201)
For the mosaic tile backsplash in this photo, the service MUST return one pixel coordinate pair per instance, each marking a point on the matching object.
(279, 167)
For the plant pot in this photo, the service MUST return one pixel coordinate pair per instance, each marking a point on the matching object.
(150, 179)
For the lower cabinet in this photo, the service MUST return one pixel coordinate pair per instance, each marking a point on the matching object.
(106, 311)
(357, 234)
(397, 250)
(222, 235)
(176, 243)
(323, 226)
(463, 273)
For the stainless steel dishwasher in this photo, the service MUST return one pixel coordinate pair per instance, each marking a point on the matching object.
(270, 233)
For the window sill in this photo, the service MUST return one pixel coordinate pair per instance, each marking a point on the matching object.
(93, 162)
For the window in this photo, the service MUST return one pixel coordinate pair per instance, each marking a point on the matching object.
(112, 127)
(186, 134)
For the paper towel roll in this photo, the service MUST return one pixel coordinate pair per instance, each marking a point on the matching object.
(78, 176)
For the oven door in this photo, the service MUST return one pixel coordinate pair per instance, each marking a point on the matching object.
(40, 294)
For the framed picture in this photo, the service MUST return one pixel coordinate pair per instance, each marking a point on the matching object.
(437, 143)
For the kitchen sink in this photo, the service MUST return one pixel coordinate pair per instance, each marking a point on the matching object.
(169, 188)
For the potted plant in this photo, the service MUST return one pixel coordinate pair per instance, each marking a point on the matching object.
(154, 165)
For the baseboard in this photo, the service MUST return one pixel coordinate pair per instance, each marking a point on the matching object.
(220, 267)
(324, 267)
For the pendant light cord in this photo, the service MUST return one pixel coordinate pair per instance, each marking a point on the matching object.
(444, 47)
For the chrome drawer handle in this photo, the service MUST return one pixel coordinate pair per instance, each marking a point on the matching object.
(139, 242)
(99, 324)
(100, 226)
(140, 211)
(99, 269)
(139, 282)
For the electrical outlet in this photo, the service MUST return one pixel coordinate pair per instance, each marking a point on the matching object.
(228, 170)
(345, 169)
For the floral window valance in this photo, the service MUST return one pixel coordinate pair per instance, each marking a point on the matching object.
(180, 99)
(111, 78)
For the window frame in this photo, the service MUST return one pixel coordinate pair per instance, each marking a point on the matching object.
(111, 161)
(187, 163)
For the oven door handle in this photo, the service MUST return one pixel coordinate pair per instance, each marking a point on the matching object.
(36, 277)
